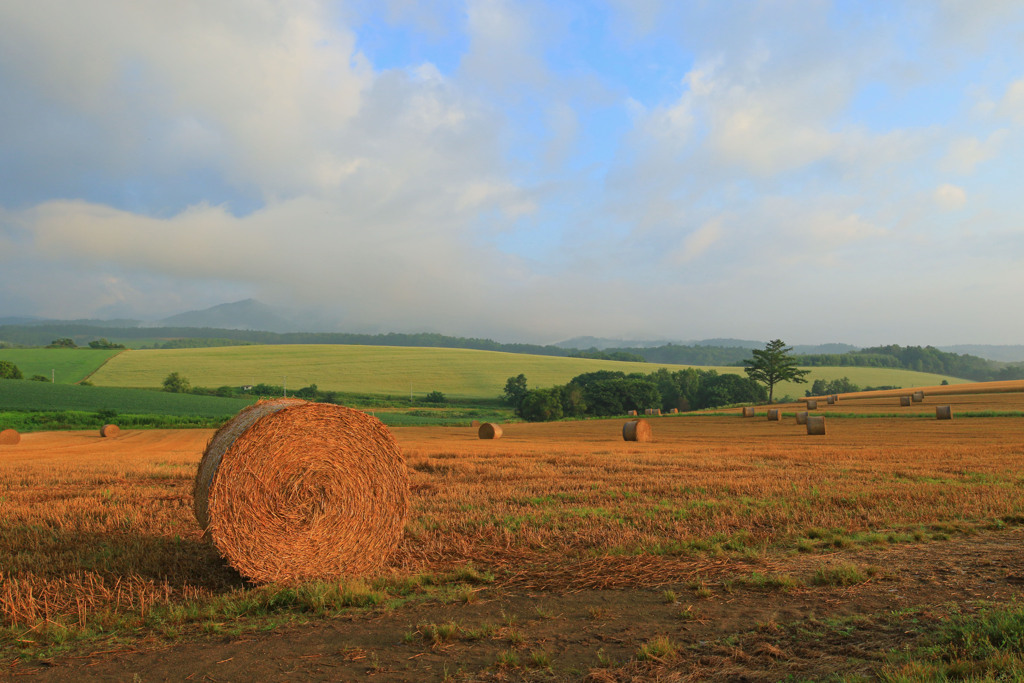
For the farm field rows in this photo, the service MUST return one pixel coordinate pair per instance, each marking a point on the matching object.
(399, 371)
(977, 398)
(734, 538)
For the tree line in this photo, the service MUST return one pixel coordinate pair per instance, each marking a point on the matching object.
(607, 393)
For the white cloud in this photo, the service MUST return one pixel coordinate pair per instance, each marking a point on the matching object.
(966, 153)
(1011, 105)
(950, 197)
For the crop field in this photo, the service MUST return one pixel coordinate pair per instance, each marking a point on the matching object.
(20, 395)
(385, 370)
(726, 548)
(63, 366)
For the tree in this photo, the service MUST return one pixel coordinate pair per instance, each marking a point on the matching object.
(434, 397)
(9, 370)
(772, 365)
(63, 343)
(515, 391)
(176, 384)
(542, 405)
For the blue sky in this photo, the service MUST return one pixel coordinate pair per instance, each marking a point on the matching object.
(800, 169)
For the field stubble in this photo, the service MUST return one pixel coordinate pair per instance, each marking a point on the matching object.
(98, 535)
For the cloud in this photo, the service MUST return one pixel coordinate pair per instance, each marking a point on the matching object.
(966, 153)
(950, 197)
(1011, 106)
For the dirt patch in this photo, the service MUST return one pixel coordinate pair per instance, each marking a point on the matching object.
(734, 627)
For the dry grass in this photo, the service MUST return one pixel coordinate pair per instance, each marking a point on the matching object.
(100, 530)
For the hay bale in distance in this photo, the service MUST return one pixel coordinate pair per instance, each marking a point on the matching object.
(917, 396)
(9, 437)
(110, 431)
(815, 424)
(943, 413)
(748, 411)
(831, 400)
(812, 405)
(904, 401)
(637, 430)
(290, 491)
(674, 411)
(475, 424)
(631, 413)
(774, 414)
(489, 430)
(801, 417)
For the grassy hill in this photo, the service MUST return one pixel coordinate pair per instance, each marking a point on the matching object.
(399, 371)
(66, 365)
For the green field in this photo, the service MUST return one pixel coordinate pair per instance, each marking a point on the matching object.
(23, 395)
(399, 371)
(65, 366)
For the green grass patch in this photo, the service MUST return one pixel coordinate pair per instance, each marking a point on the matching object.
(27, 396)
(64, 366)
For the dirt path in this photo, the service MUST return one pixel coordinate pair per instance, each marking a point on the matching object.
(738, 632)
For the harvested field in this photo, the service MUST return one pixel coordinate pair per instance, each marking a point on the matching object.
(536, 549)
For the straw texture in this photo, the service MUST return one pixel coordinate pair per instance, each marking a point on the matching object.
(904, 401)
(831, 400)
(291, 491)
(812, 405)
(801, 417)
(9, 437)
(774, 414)
(816, 424)
(637, 430)
(110, 430)
(748, 411)
(489, 430)
(917, 396)
(943, 413)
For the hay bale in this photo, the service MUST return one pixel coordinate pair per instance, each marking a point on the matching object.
(917, 396)
(631, 413)
(291, 491)
(655, 411)
(812, 405)
(637, 430)
(748, 411)
(801, 417)
(110, 431)
(674, 411)
(489, 430)
(9, 437)
(774, 414)
(904, 401)
(831, 400)
(815, 424)
(475, 424)
(943, 413)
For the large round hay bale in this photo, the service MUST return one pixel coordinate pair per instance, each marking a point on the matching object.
(812, 405)
(904, 401)
(801, 417)
(110, 431)
(748, 411)
(637, 430)
(9, 437)
(774, 414)
(815, 424)
(917, 396)
(489, 430)
(291, 491)
(943, 413)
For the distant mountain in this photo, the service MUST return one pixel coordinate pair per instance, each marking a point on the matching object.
(20, 320)
(1006, 353)
(602, 343)
(824, 348)
(240, 315)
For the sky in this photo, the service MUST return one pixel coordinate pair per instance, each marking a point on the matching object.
(810, 170)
